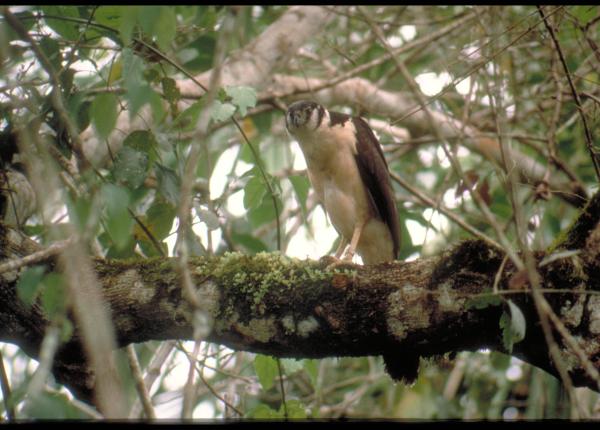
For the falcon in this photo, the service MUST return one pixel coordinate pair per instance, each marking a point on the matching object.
(350, 176)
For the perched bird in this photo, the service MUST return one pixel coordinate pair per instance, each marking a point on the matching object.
(350, 176)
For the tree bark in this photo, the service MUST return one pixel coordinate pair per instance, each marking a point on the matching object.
(272, 304)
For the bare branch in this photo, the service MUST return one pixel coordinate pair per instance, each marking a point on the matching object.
(588, 136)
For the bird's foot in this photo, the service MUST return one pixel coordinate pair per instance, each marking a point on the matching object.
(330, 262)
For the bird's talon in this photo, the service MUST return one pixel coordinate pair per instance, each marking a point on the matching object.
(348, 257)
(331, 263)
(328, 260)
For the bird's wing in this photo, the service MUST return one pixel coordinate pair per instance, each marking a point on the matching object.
(374, 172)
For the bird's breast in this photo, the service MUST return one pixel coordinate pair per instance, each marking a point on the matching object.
(330, 158)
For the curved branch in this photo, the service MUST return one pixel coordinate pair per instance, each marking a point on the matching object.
(269, 51)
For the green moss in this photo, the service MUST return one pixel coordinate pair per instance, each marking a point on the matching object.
(255, 283)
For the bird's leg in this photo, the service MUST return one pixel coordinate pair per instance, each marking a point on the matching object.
(341, 247)
(354, 242)
(331, 261)
(347, 259)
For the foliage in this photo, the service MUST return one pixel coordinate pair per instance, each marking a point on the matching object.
(116, 64)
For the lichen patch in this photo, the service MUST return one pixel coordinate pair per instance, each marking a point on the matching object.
(259, 329)
(406, 311)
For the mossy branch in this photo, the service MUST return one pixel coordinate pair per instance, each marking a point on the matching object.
(287, 307)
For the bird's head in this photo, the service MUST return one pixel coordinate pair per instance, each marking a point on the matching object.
(304, 115)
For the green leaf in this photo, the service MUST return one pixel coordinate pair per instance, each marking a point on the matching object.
(265, 367)
(222, 111)
(79, 108)
(249, 242)
(243, 97)
(54, 294)
(263, 411)
(483, 300)
(111, 16)
(254, 192)
(206, 17)
(67, 29)
(138, 96)
(158, 110)
(246, 153)
(265, 212)
(159, 219)
(80, 210)
(148, 17)
(138, 92)
(186, 120)
(499, 361)
(165, 27)
(52, 51)
(291, 365)
(205, 46)
(518, 324)
(52, 406)
(301, 186)
(104, 114)
(122, 251)
(170, 90)
(143, 141)
(295, 409)
(168, 183)
(129, 20)
(118, 220)
(513, 326)
(29, 284)
(312, 368)
(584, 13)
(130, 167)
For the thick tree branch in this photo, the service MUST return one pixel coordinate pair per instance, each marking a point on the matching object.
(290, 308)
(269, 51)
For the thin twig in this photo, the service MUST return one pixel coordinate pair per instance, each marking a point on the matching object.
(55, 95)
(148, 233)
(5, 385)
(48, 350)
(44, 254)
(587, 365)
(153, 372)
(415, 44)
(140, 386)
(284, 403)
(588, 136)
(214, 393)
(189, 390)
(77, 404)
(439, 207)
(527, 263)
(189, 173)
(474, 69)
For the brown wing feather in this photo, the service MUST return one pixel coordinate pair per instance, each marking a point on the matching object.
(374, 172)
